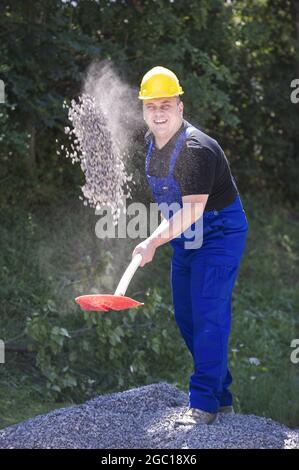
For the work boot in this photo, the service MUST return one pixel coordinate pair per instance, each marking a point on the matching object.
(226, 409)
(196, 416)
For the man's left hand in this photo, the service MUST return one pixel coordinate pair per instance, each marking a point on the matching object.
(147, 249)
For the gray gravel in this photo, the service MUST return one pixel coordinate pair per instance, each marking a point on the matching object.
(143, 418)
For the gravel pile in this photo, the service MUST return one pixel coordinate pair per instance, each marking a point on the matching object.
(143, 418)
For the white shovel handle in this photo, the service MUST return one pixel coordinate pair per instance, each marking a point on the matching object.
(128, 274)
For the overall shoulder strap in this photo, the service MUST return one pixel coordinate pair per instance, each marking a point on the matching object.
(181, 139)
(148, 155)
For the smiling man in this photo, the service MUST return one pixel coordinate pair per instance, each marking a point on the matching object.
(186, 167)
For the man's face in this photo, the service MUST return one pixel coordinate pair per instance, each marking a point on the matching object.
(163, 115)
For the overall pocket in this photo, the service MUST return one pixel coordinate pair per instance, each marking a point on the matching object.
(218, 281)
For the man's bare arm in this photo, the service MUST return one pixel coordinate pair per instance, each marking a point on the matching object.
(193, 207)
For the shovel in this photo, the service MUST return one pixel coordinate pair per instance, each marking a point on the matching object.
(118, 301)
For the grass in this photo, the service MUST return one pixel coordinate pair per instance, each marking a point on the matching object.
(23, 392)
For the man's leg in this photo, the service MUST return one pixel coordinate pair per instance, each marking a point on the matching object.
(181, 296)
(224, 396)
(211, 286)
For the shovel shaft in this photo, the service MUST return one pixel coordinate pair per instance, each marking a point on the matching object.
(128, 274)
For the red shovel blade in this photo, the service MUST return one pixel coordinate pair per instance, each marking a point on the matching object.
(105, 302)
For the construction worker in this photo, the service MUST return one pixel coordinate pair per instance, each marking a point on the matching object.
(187, 167)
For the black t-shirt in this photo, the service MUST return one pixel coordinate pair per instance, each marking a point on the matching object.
(201, 167)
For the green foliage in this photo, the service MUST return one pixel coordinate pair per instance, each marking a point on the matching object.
(50, 341)
(42, 62)
(235, 61)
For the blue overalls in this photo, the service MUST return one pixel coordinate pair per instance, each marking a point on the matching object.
(202, 280)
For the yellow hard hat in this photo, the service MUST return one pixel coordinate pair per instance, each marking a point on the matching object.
(159, 82)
